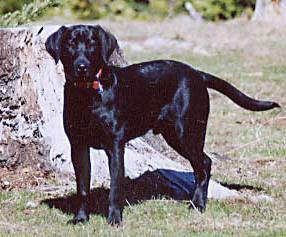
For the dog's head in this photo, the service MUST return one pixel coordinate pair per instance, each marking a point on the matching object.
(83, 50)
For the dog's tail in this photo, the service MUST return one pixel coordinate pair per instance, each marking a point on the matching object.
(236, 95)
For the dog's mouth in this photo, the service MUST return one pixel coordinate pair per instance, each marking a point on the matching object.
(82, 76)
(86, 76)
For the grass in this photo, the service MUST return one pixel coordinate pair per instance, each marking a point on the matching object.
(152, 218)
(253, 146)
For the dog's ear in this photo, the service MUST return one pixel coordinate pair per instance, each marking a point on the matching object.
(53, 43)
(108, 43)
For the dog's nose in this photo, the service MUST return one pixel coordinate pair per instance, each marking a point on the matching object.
(81, 68)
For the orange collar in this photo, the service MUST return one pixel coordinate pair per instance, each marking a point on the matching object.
(88, 85)
(91, 85)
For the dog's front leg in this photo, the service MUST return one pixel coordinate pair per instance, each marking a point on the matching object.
(116, 169)
(81, 163)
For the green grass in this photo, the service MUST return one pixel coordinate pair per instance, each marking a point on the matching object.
(254, 144)
(151, 218)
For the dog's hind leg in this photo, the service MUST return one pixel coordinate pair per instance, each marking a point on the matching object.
(81, 163)
(191, 148)
(207, 168)
(201, 164)
(184, 130)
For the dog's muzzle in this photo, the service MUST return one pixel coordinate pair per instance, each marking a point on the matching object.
(95, 85)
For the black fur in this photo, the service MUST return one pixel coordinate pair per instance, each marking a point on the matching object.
(169, 97)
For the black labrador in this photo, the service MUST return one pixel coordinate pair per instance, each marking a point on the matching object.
(107, 106)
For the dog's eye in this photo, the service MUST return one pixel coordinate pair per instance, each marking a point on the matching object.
(72, 44)
(69, 50)
(90, 44)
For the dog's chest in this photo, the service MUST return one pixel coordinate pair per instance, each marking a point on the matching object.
(87, 118)
(104, 115)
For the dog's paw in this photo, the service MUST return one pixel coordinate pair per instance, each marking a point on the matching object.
(198, 201)
(115, 216)
(81, 217)
(200, 208)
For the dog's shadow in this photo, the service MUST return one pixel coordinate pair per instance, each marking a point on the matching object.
(162, 182)
(172, 184)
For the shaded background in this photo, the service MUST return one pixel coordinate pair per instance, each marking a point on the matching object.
(22, 11)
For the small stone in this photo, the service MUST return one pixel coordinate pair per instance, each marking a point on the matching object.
(31, 204)
(26, 170)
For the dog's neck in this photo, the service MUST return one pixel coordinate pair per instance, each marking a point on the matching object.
(94, 84)
(103, 82)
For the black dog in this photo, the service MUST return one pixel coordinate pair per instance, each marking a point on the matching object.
(106, 106)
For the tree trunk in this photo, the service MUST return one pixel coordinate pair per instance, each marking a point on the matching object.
(260, 6)
(271, 10)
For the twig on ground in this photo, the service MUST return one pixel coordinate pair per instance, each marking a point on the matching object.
(195, 208)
